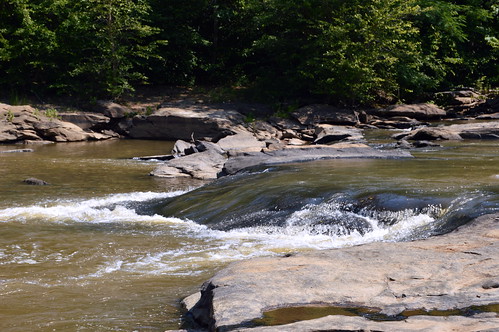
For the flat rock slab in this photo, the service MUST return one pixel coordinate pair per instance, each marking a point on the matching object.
(453, 271)
(476, 130)
(292, 154)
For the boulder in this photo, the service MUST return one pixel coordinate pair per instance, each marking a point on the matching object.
(111, 109)
(59, 131)
(423, 111)
(321, 113)
(86, 121)
(455, 271)
(185, 124)
(242, 142)
(203, 165)
(329, 133)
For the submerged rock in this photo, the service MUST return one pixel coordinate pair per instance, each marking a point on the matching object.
(35, 182)
(453, 271)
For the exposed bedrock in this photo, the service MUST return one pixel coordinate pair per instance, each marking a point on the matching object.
(454, 271)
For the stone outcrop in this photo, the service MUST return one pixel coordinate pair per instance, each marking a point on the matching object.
(453, 271)
(25, 124)
(35, 182)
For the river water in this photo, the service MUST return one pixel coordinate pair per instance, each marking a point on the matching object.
(105, 247)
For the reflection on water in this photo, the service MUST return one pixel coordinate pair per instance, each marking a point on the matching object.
(107, 247)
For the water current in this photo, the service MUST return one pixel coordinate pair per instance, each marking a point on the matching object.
(105, 247)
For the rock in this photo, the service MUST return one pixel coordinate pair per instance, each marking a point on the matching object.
(111, 109)
(399, 122)
(321, 113)
(414, 111)
(203, 165)
(86, 121)
(493, 116)
(24, 123)
(183, 148)
(293, 154)
(411, 324)
(478, 130)
(185, 124)
(439, 273)
(17, 151)
(35, 182)
(239, 143)
(328, 133)
(59, 131)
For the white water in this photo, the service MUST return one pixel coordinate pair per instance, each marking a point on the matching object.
(199, 246)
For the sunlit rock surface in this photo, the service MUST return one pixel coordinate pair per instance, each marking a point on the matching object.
(453, 271)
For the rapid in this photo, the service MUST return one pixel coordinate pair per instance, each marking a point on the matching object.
(105, 247)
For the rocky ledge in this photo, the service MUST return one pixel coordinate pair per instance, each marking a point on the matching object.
(449, 274)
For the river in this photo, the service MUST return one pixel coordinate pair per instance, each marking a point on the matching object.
(105, 247)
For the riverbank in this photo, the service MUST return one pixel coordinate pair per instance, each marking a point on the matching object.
(217, 139)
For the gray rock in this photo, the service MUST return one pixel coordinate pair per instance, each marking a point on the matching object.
(203, 165)
(17, 151)
(414, 111)
(329, 133)
(111, 109)
(321, 113)
(86, 121)
(185, 124)
(477, 130)
(183, 148)
(242, 142)
(493, 116)
(440, 273)
(35, 182)
(308, 153)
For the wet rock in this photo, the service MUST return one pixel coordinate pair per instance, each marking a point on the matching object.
(321, 113)
(17, 151)
(186, 124)
(440, 273)
(35, 182)
(423, 111)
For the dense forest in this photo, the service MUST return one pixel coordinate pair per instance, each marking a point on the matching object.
(343, 51)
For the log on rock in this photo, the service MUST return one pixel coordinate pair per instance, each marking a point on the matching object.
(453, 271)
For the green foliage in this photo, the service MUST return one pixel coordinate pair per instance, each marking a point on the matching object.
(9, 116)
(350, 52)
(52, 113)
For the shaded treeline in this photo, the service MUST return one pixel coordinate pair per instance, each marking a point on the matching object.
(348, 51)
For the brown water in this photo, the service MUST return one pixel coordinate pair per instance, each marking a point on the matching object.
(88, 252)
